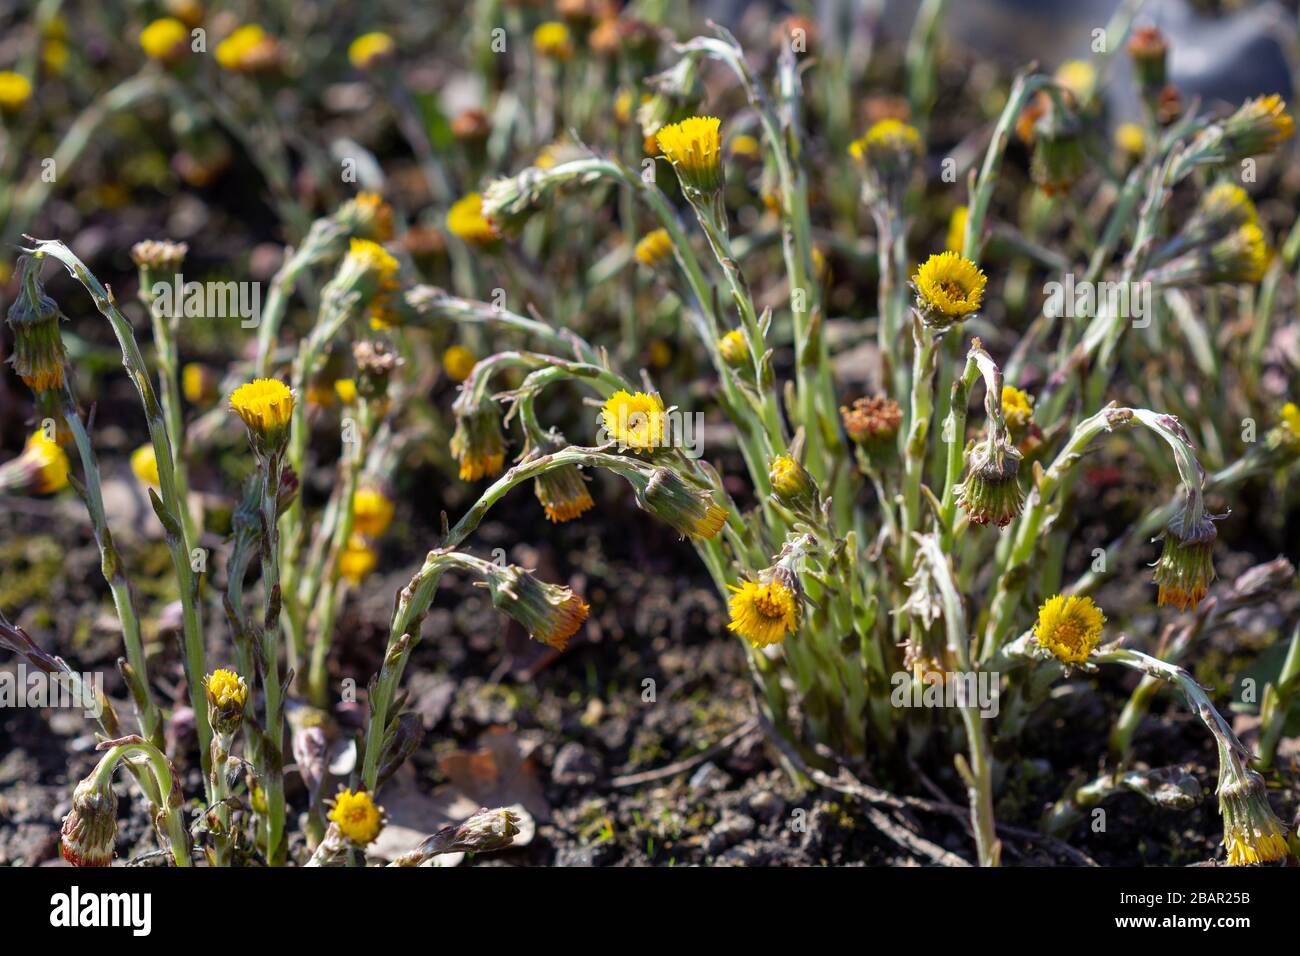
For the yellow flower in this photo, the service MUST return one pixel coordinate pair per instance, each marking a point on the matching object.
(1259, 125)
(367, 216)
(49, 461)
(247, 49)
(477, 443)
(887, 138)
(1227, 206)
(553, 40)
(948, 287)
(459, 362)
(1290, 416)
(1241, 256)
(1252, 833)
(1017, 408)
(957, 229)
(266, 406)
(145, 465)
(226, 688)
(465, 221)
(791, 483)
(15, 91)
(763, 613)
(635, 421)
(694, 148)
(370, 49)
(734, 349)
(346, 390)
(549, 613)
(357, 817)
(374, 260)
(197, 383)
(1130, 139)
(654, 247)
(357, 560)
(745, 145)
(165, 40)
(563, 493)
(372, 511)
(1079, 77)
(1069, 627)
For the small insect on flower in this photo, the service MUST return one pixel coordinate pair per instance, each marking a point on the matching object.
(466, 222)
(372, 511)
(477, 443)
(553, 40)
(654, 247)
(694, 148)
(549, 613)
(1252, 833)
(357, 559)
(370, 50)
(266, 406)
(764, 613)
(357, 817)
(227, 694)
(89, 830)
(1186, 566)
(1069, 627)
(144, 465)
(458, 362)
(949, 287)
(635, 421)
(248, 49)
(41, 469)
(165, 40)
(15, 91)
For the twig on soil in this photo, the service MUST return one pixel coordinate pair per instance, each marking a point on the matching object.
(681, 766)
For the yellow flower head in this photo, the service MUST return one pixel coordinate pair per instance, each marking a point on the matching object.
(552, 39)
(373, 260)
(949, 287)
(763, 613)
(746, 146)
(694, 148)
(197, 383)
(1290, 418)
(372, 511)
(459, 362)
(357, 817)
(248, 49)
(549, 613)
(357, 560)
(1079, 77)
(225, 688)
(563, 493)
(957, 229)
(465, 221)
(266, 406)
(886, 137)
(654, 247)
(1017, 408)
(367, 216)
(1240, 256)
(1069, 627)
(734, 349)
(145, 465)
(686, 508)
(370, 49)
(1228, 206)
(1260, 125)
(48, 463)
(15, 91)
(1252, 833)
(791, 482)
(346, 390)
(635, 421)
(1130, 139)
(165, 40)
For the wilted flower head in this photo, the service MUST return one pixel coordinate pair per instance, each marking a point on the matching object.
(1069, 627)
(485, 831)
(548, 612)
(949, 287)
(357, 817)
(684, 507)
(635, 421)
(694, 148)
(165, 40)
(39, 355)
(90, 828)
(764, 612)
(477, 443)
(1186, 566)
(266, 407)
(1252, 833)
(465, 221)
(562, 491)
(159, 256)
(370, 50)
(991, 492)
(376, 362)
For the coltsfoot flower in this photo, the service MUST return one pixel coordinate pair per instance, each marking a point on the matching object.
(41, 469)
(685, 508)
(458, 362)
(873, 424)
(635, 421)
(165, 40)
(1186, 566)
(266, 407)
(949, 287)
(89, 830)
(734, 349)
(991, 492)
(764, 613)
(1017, 411)
(346, 391)
(39, 355)
(144, 465)
(694, 148)
(553, 41)
(367, 216)
(1148, 50)
(549, 613)
(465, 221)
(15, 91)
(791, 483)
(248, 49)
(1079, 78)
(889, 152)
(357, 817)
(372, 511)
(1286, 434)
(1258, 126)
(1069, 627)
(357, 560)
(1131, 140)
(477, 443)
(227, 694)
(370, 50)
(1241, 256)
(1252, 833)
(957, 230)
(369, 268)
(654, 247)
(563, 492)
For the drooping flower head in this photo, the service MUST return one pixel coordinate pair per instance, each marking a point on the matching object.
(39, 355)
(635, 421)
(1186, 566)
(562, 491)
(465, 221)
(357, 817)
(477, 443)
(1069, 627)
(266, 407)
(949, 287)
(991, 493)
(89, 830)
(1252, 833)
(548, 612)
(694, 148)
(688, 509)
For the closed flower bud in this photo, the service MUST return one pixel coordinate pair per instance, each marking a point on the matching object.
(548, 612)
(227, 694)
(478, 443)
(198, 383)
(991, 492)
(366, 216)
(1186, 566)
(563, 492)
(1149, 51)
(34, 317)
(1258, 126)
(90, 828)
(734, 349)
(1252, 833)
(684, 507)
(1058, 160)
(376, 362)
(485, 831)
(792, 484)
